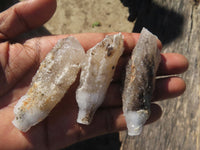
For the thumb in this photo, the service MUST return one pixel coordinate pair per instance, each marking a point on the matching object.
(24, 16)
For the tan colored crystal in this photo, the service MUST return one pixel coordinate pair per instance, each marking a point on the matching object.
(55, 75)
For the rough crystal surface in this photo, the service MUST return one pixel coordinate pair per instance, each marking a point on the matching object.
(97, 72)
(139, 82)
(55, 75)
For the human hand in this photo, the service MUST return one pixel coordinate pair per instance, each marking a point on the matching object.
(20, 60)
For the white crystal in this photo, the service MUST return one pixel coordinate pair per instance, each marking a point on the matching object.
(135, 121)
(54, 77)
(97, 72)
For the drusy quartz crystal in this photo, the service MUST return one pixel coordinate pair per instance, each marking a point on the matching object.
(55, 75)
(139, 82)
(97, 71)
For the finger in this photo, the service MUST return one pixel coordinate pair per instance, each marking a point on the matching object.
(33, 51)
(172, 63)
(169, 88)
(112, 120)
(120, 70)
(113, 97)
(130, 40)
(87, 40)
(165, 88)
(156, 113)
(24, 16)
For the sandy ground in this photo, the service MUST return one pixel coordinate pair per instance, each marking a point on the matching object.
(79, 15)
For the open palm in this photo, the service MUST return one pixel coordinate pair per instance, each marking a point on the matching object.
(19, 62)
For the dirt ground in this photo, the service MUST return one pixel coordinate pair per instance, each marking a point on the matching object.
(79, 15)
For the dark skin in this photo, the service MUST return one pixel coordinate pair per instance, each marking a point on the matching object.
(19, 62)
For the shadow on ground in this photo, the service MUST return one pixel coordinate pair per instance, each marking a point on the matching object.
(166, 24)
(104, 142)
(4, 4)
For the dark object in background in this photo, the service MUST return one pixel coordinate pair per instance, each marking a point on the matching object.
(104, 142)
(166, 24)
(135, 7)
(4, 4)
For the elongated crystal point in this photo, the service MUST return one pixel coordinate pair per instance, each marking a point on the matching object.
(55, 75)
(97, 73)
(139, 82)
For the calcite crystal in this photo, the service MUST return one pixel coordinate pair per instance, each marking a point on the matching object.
(55, 75)
(97, 72)
(139, 82)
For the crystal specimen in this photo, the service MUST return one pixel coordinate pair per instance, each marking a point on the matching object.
(139, 82)
(97, 71)
(55, 75)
